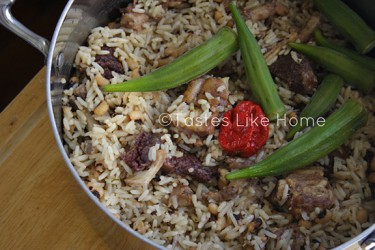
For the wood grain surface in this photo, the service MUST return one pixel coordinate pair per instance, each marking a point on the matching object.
(41, 205)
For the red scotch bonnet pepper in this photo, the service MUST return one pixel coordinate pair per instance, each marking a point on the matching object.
(244, 129)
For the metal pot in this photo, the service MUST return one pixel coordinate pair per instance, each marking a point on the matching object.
(72, 29)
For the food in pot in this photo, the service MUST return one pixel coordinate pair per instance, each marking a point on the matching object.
(161, 160)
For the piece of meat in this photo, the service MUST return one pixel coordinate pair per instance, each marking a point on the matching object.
(215, 92)
(308, 189)
(80, 91)
(311, 25)
(300, 76)
(142, 178)
(192, 90)
(260, 12)
(109, 63)
(226, 70)
(133, 20)
(137, 157)
(218, 91)
(275, 50)
(189, 165)
(212, 89)
(175, 4)
(183, 194)
(228, 192)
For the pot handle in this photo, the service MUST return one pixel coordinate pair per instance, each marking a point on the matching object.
(8, 21)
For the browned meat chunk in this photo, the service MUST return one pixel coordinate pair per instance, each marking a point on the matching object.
(215, 92)
(227, 193)
(109, 63)
(213, 87)
(311, 25)
(80, 91)
(176, 4)
(308, 189)
(133, 20)
(137, 156)
(142, 178)
(299, 76)
(183, 196)
(189, 165)
(260, 12)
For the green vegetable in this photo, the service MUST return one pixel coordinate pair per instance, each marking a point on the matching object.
(364, 60)
(365, 9)
(348, 23)
(340, 64)
(311, 146)
(322, 100)
(192, 64)
(257, 72)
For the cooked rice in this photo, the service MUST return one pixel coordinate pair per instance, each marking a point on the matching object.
(146, 210)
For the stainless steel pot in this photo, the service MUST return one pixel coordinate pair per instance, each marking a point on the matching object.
(72, 29)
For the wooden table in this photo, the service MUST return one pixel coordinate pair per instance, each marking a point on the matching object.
(41, 205)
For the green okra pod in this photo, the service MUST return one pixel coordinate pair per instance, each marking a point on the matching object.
(350, 70)
(311, 146)
(257, 72)
(366, 61)
(322, 100)
(365, 9)
(192, 64)
(349, 23)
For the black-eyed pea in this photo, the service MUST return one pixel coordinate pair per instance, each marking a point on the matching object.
(140, 227)
(212, 208)
(222, 182)
(101, 81)
(253, 226)
(218, 15)
(304, 223)
(221, 223)
(101, 109)
(164, 61)
(324, 217)
(362, 215)
(74, 80)
(136, 115)
(168, 51)
(132, 64)
(175, 51)
(293, 118)
(135, 73)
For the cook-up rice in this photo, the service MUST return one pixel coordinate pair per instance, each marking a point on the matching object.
(96, 142)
